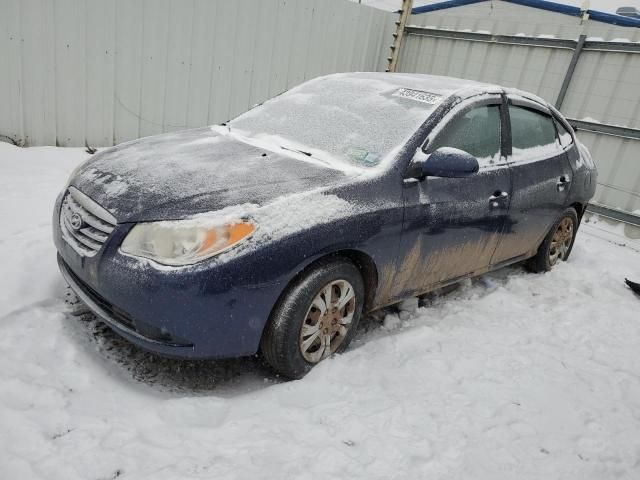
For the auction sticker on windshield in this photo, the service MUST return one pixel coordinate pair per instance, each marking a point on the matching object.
(418, 96)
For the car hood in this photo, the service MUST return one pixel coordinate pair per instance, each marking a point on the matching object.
(175, 175)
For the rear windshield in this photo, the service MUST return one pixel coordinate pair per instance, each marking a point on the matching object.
(355, 120)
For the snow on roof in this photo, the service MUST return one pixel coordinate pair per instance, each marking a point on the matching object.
(441, 85)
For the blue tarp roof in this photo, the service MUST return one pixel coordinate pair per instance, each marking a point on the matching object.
(542, 4)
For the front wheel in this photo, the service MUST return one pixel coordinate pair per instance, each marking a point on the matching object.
(558, 243)
(315, 318)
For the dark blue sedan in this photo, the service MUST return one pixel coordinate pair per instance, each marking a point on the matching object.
(276, 231)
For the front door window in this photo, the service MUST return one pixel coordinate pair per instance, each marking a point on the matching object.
(476, 132)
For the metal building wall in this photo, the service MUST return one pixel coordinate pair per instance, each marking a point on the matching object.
(605, 87)
(101, 72)
(505, 18)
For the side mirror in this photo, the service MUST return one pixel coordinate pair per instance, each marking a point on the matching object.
(449, 163)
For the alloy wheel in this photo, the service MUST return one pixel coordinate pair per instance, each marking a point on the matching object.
(561, 241)
(327, 321)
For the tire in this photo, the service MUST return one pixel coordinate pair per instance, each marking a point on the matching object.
(558, 243)
(295, 338)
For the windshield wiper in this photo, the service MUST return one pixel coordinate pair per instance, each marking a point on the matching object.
(308, 154)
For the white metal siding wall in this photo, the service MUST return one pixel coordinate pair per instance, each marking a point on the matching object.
(618, 163)
(503, 18)
(605, 86)
(538, 70)
(102, 72)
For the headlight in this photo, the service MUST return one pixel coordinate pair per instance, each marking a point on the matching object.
(184, 242)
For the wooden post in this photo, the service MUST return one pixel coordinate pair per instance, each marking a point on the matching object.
(405, 11)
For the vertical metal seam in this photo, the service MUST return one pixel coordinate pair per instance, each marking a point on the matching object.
(86, 79)
(193, 30)
(115, 71)
(55, 73)
(309, 43)
(233, 67)
(251, 64)
(139, 115)
(213, 5)
(164, 121)
(21, 79)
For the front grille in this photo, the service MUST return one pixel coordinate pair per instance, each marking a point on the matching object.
(85, 225)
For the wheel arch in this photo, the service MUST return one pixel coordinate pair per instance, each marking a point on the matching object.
(363, 262)
(580, 208)
(369, 272)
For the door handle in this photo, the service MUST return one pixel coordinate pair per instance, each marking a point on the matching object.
(497, 197)
(563, 182)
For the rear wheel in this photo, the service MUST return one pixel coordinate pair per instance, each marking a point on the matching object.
(316, 318)
(558, 243)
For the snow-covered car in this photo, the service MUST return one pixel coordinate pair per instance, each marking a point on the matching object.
(277, 230)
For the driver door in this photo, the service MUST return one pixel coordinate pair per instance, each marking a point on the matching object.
(453, 225)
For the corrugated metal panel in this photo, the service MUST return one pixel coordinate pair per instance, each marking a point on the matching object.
(618, 172)
(102, 72)
(606, 87)
(509, 19)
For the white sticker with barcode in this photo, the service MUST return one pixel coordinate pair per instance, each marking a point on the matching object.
(418, 96)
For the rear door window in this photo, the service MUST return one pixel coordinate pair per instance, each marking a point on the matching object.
(533, 134)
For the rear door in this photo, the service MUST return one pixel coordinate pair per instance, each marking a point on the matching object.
(453, 225)
(541, 176)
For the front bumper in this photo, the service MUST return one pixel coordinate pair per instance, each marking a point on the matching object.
(119, 320)
(217, 309)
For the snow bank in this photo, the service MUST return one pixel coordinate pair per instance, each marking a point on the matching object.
(31, 179)
(512, 376)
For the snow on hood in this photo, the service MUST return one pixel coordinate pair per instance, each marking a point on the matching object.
(179, 174)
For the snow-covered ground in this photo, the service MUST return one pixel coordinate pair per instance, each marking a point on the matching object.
(512, 376)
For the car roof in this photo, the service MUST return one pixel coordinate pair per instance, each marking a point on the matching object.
(445, 86)
(440, 85)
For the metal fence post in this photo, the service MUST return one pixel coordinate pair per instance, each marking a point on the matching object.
(405, 11)
(570, 70)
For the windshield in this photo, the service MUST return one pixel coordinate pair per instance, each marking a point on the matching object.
(354, 119)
